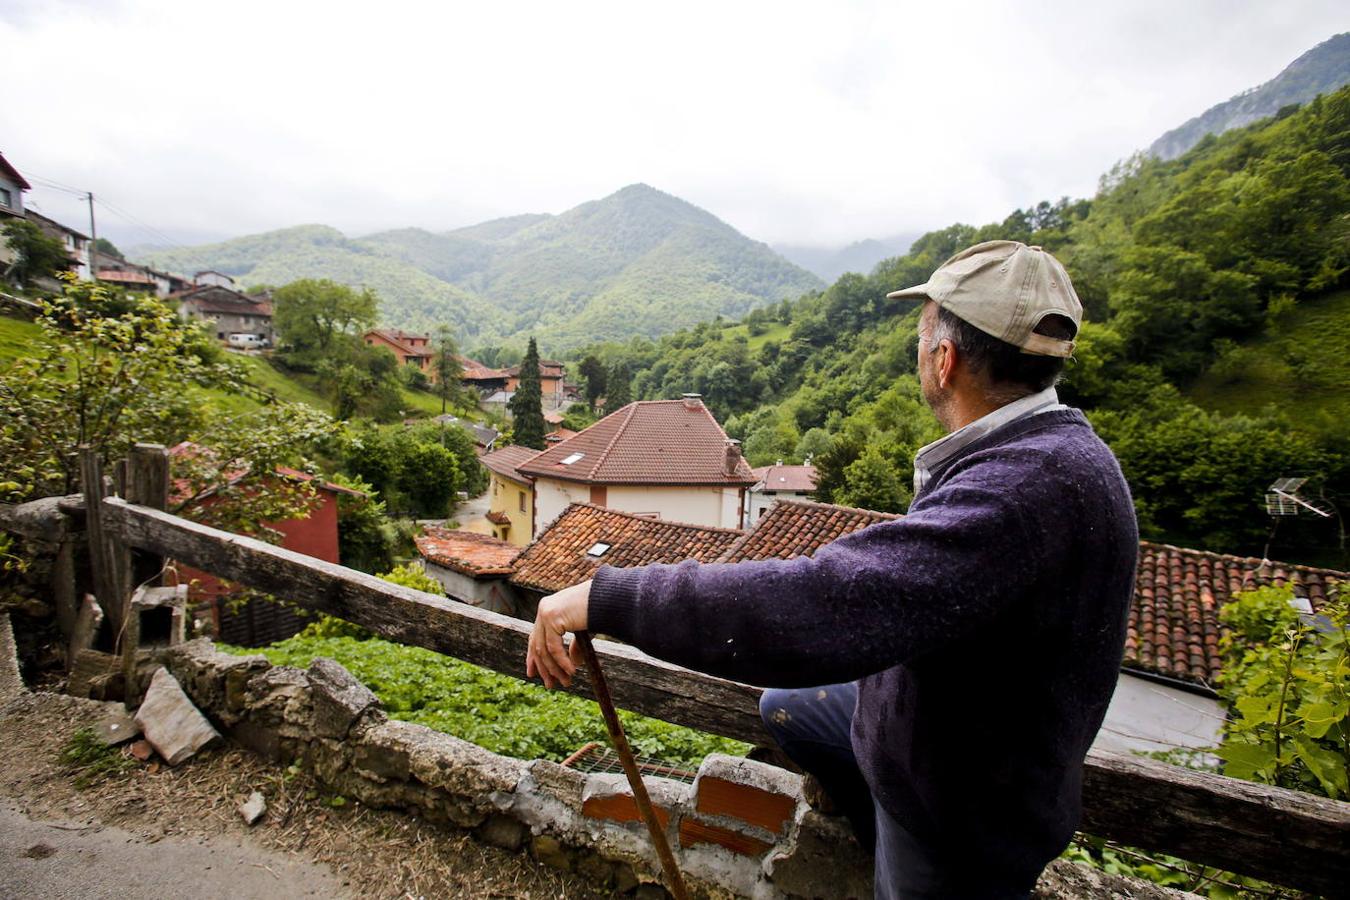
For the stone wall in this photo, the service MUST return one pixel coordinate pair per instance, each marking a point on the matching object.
(741, 828)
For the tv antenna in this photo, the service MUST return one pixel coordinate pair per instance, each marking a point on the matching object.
(1282, 499)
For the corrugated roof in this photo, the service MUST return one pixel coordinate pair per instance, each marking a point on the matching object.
(506, 461)
(467, 552)
(645, 442)
(799, 479)
(586, 537)
(1174, 625)
(794, 528)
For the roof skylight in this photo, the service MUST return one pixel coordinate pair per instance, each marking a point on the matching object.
(575, 457)
(598, 549)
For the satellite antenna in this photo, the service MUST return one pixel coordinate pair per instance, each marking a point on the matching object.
(1282, 499)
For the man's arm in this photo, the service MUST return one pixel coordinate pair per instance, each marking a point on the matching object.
(862, 604)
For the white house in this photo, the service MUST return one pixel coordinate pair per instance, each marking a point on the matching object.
(664, 459)
(778, 482)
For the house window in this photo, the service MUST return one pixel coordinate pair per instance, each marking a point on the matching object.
(522, 500)
(6, 198)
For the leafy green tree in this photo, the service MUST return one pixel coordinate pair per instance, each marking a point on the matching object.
(35, 254)
(449, 370)
(527, 404)
(105, 371)
(316, 318)
(108, 248)
(870, 482)
(593, 373)
(416, 470)
(618, 387)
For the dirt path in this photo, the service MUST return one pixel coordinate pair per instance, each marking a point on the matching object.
(472, 514)
(155, 831)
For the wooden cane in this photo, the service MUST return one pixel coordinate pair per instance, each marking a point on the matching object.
(620, 742)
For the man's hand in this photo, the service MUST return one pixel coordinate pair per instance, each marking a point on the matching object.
(558, 614)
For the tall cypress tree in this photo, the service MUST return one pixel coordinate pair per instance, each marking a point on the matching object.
(527, 406)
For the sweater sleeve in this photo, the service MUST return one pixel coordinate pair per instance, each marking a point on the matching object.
(862, 604)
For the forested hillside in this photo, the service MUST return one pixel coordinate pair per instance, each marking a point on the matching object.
(1181, 265)
(639, 262)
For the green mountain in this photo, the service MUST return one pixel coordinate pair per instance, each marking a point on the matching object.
(860, 256)
(1321, 70)
(410, 297)
(639, 262)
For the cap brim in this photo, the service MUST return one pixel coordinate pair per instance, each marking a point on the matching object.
(919, 290)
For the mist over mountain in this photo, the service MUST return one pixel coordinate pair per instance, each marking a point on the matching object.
(638, 262)
(860, 256)
(1321, 70)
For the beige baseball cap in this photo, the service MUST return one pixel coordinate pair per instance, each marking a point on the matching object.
(1005, 289)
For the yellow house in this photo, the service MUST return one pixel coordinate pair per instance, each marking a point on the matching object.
(511, 510)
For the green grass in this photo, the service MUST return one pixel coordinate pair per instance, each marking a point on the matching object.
(776, 332)
(1300, 365)
(16, 337)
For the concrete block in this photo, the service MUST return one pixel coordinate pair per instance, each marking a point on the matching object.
(173, 726)
(338, 698)
(559, 782)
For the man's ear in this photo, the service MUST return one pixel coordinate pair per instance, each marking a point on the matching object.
(945, 364)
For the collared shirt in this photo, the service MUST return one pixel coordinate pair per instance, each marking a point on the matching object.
(935, 454)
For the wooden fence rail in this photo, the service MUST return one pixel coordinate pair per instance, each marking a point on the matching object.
(1286, 837)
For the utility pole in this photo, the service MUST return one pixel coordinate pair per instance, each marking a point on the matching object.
(93, 241)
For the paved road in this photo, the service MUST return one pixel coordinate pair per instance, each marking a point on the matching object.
(74, 861)
(472, 514)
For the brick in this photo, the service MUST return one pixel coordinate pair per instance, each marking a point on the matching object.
(693, 832)
(621, 808)
(717, 796)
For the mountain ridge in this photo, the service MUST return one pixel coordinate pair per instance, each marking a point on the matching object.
(636, 262)
(1321, 70)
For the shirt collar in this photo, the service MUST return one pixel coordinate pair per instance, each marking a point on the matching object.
(935, 454)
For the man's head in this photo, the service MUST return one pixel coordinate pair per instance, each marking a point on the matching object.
(999, 323)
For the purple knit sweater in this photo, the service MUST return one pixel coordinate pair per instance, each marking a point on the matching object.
(986, 626)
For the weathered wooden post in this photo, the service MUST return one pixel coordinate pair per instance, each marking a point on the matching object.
(153, 615)
(110, 587)
(147, 484)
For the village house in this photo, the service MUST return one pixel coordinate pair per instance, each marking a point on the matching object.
(135, 277)
(253, 622)
(511, 494)
(212, 277)
(76, 243)
(227, 310)
(778, 482)
(664, 459)
(484, 379)
(411, 349)
(473, 569)
(12, 186)
(551, 383)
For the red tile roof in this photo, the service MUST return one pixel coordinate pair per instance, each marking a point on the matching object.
(123, 276)
(559, 557)
(646, 442)
(476, 371)
(467, 552)
(497, 517)
(506, 461)
(1174, 625)
(547, 369)
(799, 479)
(794, 528)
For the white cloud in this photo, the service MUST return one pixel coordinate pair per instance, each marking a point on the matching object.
(793, 121)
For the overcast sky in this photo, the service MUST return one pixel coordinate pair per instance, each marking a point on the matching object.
(816, 123)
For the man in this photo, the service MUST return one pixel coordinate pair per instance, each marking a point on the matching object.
(986, 626)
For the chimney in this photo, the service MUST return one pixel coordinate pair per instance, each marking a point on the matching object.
(692, 401)
(733, 456)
